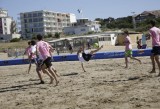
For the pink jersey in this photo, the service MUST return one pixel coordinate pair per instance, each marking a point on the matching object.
(128, 45)
(155, 34)
(43, 49)
(30, 50)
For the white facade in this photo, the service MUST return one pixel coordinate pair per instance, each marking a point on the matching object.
(72, 18)
(107, 39)
(44, 22)
(3, 13)
(83, 26)
(7, 24)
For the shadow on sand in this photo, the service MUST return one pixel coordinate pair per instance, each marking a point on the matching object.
(17, 87)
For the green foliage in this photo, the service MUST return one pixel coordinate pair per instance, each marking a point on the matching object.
(49, 35)
(15, 40)
(34, 36)
(91, 32)
(125, 23)
(57, 35)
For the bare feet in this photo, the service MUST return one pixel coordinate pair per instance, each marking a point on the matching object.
(57, 82)
(56, 73)
(153, 71)
(42, 82)
(158, 75)
(51, 82)
(140, 62)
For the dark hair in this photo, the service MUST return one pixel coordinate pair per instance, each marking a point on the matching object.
(29, 42)
(153, 22)
(33, 42)
(39, 37)
(126, 32)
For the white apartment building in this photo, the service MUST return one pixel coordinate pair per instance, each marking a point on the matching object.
(5, 22)
(7, 25)
(44, 22)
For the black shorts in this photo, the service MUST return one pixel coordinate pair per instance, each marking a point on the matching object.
(155, 50)
(39, 63)
(48, 62)
(86, 57)
(33, 61)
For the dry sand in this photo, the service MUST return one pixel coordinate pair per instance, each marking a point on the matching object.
(105, 85)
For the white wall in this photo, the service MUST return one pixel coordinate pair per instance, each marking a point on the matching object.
(78, 30)
(82, 30)
(8, 37)
(108, 39)
(3, 13)
(72, 18)
(113, 39)
(7, 21)
(69, 30)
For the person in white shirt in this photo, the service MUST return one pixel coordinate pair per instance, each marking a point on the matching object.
(84, 57)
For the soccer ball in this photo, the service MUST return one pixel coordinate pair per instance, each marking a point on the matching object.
(96, 45)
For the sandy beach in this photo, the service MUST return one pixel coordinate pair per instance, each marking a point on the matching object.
(105, 85)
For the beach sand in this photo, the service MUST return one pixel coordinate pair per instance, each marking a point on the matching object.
(105, 85)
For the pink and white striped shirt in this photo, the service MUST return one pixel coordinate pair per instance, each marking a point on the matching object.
(31, 49)
(155, 34)
(43, 49)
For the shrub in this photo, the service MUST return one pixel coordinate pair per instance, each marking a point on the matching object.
(15, 40)
(57, 35)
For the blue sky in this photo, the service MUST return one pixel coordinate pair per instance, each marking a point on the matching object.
(91, 8)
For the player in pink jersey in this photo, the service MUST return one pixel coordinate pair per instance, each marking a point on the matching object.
(29, 51)
(128, 49)
(155, 34)
(43, 49)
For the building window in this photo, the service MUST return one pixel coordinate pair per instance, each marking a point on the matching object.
(5, 28)
(25, 26)
(40, 14)
(25, 20)
(40, 19)
(41, 29)
(83, 29)
(35, 15)
(35, 25)
(40, 24)
(5, 24)
(25, 15)
(29, 15)
(35, 20)
(30, 20)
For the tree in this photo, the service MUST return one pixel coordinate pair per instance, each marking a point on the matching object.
(57, 35)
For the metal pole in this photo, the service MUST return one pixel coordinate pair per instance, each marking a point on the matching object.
(133, 18)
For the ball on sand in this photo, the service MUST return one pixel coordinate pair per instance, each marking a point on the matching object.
(96, 45)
